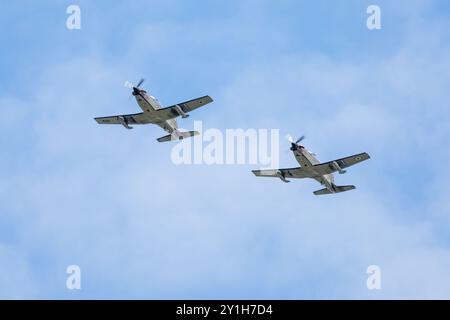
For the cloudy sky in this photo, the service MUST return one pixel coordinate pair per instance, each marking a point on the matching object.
(112, 202)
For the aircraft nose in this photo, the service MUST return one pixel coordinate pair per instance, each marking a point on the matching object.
(135, 91)
(293, 146)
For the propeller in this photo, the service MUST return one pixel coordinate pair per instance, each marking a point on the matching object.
(299, 139)
(140, 82)
(130, 85)
(294, 145)
(289, 138)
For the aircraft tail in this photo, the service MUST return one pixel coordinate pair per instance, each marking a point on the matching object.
(178, 135)
(337, 188)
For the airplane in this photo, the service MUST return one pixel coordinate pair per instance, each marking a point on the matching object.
(154, 113)
(312, 168)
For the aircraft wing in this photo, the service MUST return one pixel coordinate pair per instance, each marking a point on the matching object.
(125, 119)
(297, 173)
(330, 166)
(181, 109)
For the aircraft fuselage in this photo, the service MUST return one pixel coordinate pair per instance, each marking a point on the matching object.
(306, 159)
(149, 105)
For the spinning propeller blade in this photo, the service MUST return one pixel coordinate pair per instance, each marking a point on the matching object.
(140, 82)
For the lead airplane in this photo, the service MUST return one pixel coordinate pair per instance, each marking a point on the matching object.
(310, 167)
(154, 113)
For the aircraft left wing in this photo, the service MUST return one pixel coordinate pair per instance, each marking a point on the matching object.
(339, 164)
(125, 119)
(283, 174)
(182, 109)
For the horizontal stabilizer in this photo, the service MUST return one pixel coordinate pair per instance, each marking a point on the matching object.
(322, 191)
(344, 188)
(178, 135)
(337, 189)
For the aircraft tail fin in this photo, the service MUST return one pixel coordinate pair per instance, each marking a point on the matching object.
(338, 190)
(178, 135)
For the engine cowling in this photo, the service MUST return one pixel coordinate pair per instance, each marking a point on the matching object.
(181, 112)
(337, 167)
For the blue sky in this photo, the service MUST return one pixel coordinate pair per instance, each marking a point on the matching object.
(112, 202)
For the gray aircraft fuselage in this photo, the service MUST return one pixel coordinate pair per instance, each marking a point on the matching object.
(149, 105)
(306, 159)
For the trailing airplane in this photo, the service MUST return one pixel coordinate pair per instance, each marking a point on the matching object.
(312, 168)
(154, 113)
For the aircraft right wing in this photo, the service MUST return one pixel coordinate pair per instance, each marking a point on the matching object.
(182, 109)
(339, 164)
(297, 173)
